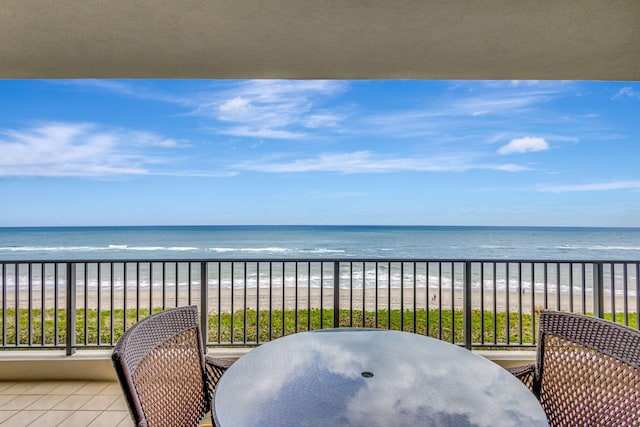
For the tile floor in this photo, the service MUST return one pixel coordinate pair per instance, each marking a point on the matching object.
(63, 403)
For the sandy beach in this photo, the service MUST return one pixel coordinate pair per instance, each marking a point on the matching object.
(302, 298)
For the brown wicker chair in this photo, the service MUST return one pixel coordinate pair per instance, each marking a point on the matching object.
(587, 371)
(163, 371)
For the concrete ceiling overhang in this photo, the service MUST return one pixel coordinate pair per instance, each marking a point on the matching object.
(309, 39)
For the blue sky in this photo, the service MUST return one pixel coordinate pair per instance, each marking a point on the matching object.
(212, 152)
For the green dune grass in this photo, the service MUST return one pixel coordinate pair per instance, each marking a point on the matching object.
(249, 326)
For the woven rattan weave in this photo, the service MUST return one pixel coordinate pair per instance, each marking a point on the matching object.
(161, 367)
(587, 371)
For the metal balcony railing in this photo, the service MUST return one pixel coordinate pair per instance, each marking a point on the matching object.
(474, 303)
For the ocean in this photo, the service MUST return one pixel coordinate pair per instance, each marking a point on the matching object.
(350, 242)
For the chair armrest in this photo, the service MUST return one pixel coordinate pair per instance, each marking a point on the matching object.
(221, 363)
(215, 368)
(525, 373)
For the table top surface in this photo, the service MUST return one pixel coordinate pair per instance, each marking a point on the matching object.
(370, 377)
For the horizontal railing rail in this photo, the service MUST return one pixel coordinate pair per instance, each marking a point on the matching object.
(82, 304)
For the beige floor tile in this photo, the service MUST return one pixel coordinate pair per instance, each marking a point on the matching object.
(6, 384)
(80, 418)
(113, 389)
(44, 387)
(127, 422)
(22, 418)
(119, 405)
(4, 398)
(6, 414)
(66, 403)
(93, 387)
(109, 419)
(99, 403)
(68, 387)
(73, 402)
(22, 401)
(19, 387)
(47, 401)
(52, 418)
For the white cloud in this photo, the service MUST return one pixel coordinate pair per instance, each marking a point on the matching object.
(78, 149)
(499, 103)
(508, 167)
(517, 83)
(368, 162)
(602, 186)
(504, 97)
(321, 120)
(259, 132)
(414, 123)
(459, 108)
(276, 109)
(269, 109)
(139, 90)
(524, 145)
(152, 140)
(236, 110)
(626, 91)
(472, 106)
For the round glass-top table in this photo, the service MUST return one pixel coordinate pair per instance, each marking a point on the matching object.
(370, 377)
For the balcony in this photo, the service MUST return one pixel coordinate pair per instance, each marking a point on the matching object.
(55, 352)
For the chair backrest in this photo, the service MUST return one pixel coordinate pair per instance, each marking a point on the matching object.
(589, 371)
(160, 365)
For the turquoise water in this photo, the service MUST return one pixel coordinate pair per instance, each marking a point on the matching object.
(232, 242)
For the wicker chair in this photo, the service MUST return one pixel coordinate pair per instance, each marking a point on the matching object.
(163, 371)
(587, 371)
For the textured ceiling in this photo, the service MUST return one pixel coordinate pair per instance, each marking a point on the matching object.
(308, 39)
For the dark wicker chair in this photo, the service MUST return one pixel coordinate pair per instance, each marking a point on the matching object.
(587, 371)
(161, 366)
